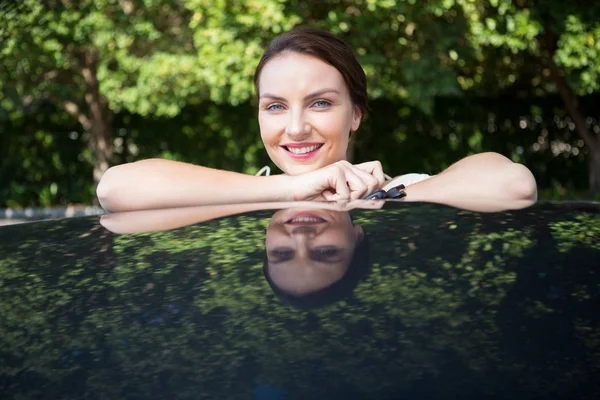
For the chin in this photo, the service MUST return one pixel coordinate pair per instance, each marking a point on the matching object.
(300, 169)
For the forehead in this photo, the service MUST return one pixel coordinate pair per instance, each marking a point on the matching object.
(299, 73)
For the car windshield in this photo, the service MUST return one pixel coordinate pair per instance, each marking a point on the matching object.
(407, 301)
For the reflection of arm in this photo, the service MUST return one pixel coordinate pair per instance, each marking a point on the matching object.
(158, 220)
(485, 182)
(157, 184)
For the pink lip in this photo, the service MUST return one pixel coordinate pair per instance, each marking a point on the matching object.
(305, 215)
(300, 145)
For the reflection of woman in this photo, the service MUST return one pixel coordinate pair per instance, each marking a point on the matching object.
(312, 94)
(314, 253)
(314, 256)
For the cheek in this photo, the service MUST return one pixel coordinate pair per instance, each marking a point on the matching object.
(268, 127)
(263, 127)
(336, 126)
(275, 236)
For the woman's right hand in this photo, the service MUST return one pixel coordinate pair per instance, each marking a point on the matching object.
(338, 181)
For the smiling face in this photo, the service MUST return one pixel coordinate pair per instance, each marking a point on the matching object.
(305, 113)
(309, 250)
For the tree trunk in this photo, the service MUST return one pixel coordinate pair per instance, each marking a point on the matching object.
(592, 143)
(594, 170)
(100, 116)
(101, 142)
(589, 138)
(571, 102)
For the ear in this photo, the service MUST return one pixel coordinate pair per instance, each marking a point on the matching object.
(359, 233)
(356, 118)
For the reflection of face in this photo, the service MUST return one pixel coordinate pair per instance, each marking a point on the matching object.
(309, 250)
(305, 113)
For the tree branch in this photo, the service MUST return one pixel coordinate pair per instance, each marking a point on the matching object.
(548, 42)
(59, 76)
(127, 6)
(73, 109)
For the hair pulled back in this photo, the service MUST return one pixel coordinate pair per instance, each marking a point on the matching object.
(326, 47)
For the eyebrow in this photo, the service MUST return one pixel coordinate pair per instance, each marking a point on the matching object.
(328, 262)
(308, 96)
(277, 263)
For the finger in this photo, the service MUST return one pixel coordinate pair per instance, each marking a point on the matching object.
(365, 204)
(357, 185)
(375, 169)
(341, 205)
(337, 182)
(328, 195)
(371, 182)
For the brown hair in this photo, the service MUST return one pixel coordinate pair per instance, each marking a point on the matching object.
(326, 47)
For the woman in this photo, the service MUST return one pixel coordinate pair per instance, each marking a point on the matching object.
(312, 95)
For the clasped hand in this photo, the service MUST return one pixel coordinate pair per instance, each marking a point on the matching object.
(339, 181)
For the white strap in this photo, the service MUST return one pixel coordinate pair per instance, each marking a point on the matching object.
(264, 170)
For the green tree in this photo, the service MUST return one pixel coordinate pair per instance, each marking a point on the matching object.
(95, 58)
(541, 48)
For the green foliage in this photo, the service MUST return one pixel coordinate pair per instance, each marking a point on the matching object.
(584, 231)
(579, 52)
(447, 78)
(144, 51)
(511, 38)
(401, 60)
(44, 161)
(157, 57)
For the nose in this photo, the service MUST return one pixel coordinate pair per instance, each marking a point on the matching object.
(302, 235)
(297, 127)
(305, 231)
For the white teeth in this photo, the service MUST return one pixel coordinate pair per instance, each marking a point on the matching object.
(306, 219)
(303, 150)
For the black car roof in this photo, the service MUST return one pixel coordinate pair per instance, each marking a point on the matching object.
(455, 305)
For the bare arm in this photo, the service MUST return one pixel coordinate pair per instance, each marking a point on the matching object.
(162, 220)
(157, 183)
(484, 182)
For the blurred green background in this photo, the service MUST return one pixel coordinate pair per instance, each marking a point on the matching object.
(89, 84)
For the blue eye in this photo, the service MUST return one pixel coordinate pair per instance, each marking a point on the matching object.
(322, 103)
(275, 107)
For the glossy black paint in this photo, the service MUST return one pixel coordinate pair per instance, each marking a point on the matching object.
(455, 305)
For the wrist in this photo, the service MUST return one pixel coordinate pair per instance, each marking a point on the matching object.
(282, 187)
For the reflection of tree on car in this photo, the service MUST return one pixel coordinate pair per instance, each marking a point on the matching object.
(187, 312)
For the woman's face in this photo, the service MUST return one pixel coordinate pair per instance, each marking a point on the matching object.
(305, 113)
(309, 249)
